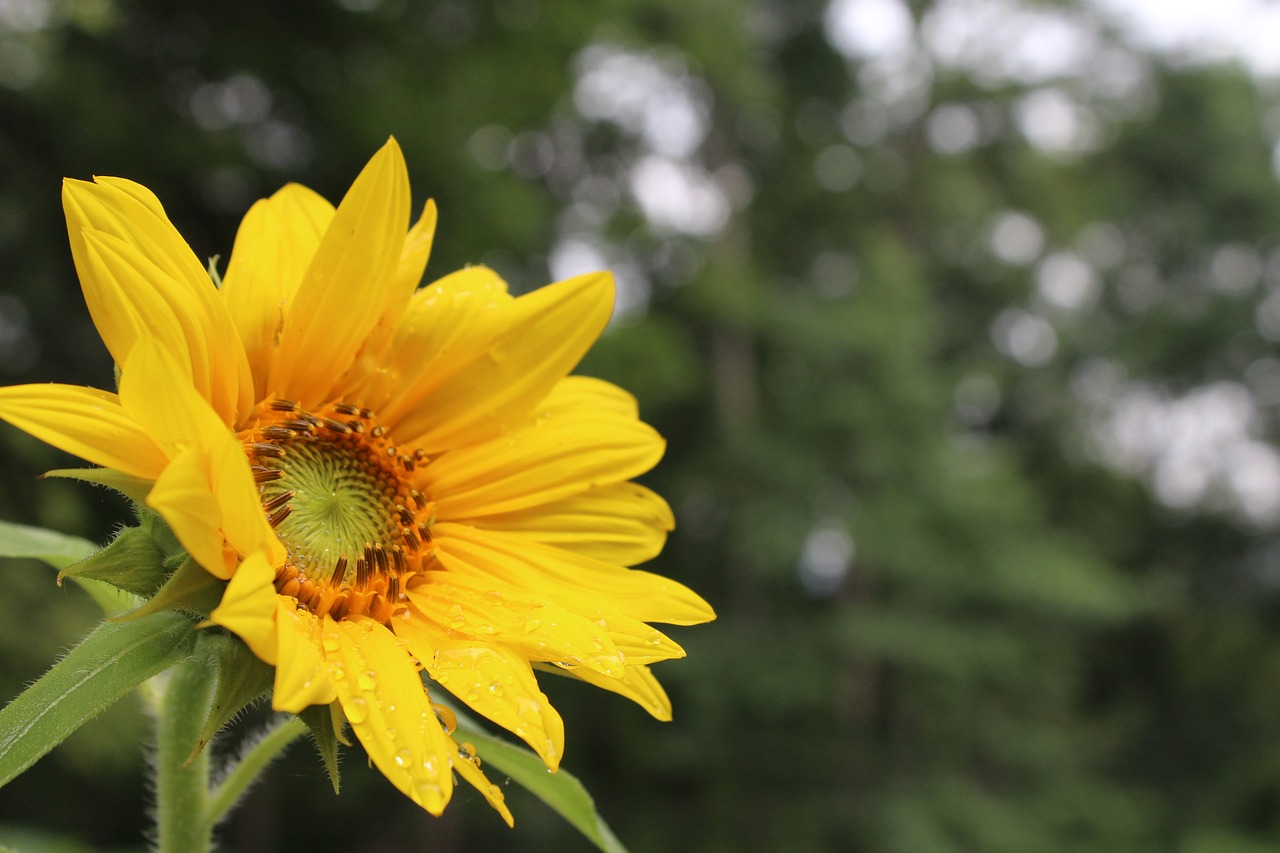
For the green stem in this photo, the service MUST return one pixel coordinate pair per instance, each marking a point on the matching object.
(247, 769)
(181, 787)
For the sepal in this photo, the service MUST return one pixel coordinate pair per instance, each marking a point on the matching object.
(131, 487)
(131, 562)
(241, 680)
(325, 723)
(190, 589)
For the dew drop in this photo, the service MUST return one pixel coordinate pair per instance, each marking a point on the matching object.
(357, 710)
(466, 751)
(403, 757)
(429, 792)
(493, 597)
(496, 688)
(532, 625)
(331, 640)
(367, 680)
(447, 718)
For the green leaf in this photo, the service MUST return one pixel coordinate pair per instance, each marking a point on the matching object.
(131, 563)
(560, 790)
(115, 658)
(37, 543)
(242, 679)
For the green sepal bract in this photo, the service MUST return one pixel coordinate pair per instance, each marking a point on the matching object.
(131, 487)
(190, 589)
(242, 680)
(325, 726)
(131, 563)
(115, 658)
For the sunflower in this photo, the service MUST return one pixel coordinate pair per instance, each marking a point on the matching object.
(391, 479)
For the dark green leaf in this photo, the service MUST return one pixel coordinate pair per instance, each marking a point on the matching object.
(560, 790)
(111, 661)
(56, 549)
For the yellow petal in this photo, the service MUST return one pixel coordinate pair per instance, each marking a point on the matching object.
(638, 685)
(441, 328)
(622, 523)
(469, 769)
(302, 676)
(388, 709)
(545, 335)
(417, 249)
(493, 681)
(158, 392)
(274, 246)
(348, 283)
(244, 523)
(548, 459)
(248, 607)
(127, 218)
(521, 562)
(154, 389)
(132, 299)
(183, 498)
(539, 629)
(86, 422)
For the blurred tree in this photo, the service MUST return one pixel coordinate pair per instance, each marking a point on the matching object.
(964, 348)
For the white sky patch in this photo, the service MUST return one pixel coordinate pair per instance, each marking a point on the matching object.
(826, 559)
(869, 28)
(1003, 40)
(679, 196)
(1016, 238)
(647, 94)
(1197, 449)
(1026, 338)
(1203, 32)
(998, 40)
(1067, 282)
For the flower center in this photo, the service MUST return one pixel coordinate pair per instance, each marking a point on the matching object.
(340, 496)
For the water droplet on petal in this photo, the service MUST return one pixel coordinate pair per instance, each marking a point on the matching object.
(357, 710)
(532, 625)
(493, 597)
(429, 792)
(367, 680)
(496, 688)
(403, 757)
(331, 640)
(447, 718)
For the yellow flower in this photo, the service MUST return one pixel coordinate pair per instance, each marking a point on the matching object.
(391, 479)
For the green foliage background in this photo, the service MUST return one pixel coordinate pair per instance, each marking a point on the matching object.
(950, 619)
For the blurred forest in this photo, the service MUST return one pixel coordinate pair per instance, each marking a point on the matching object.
(961, 321)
